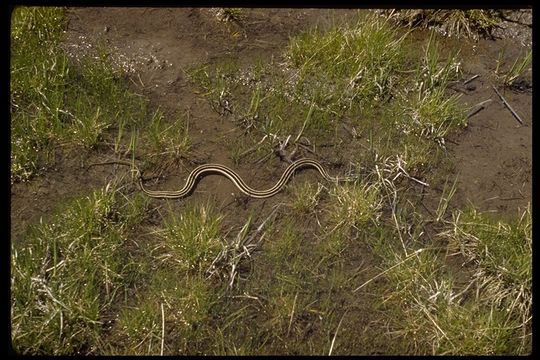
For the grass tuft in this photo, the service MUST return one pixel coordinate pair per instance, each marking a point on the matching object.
(516, 71)
(502, 252)
(306, 197)
(428, 111)
(342, 66)
(55, 102)
(68, 274)
(355, 205)
(461, 23)
(192, 239)
(167, 317)
(488, 314)
(167, 139)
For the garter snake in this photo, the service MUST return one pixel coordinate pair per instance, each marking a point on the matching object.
(207, 169)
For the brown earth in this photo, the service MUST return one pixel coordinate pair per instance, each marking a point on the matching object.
(492, 157)
(155, 45)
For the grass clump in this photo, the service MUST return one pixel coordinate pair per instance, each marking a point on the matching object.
(345, 65)
(487, 242)
(284, 248)
(217, 84)
(427, 110)
(177, 310)
(291, 305)
(55, 102)
(434, 318)
(167, 139)
(516, 71)
(467, 23)
(68, 273)
(432, 116)
(192, 239)
(183, 308)
(230, 14)
(332, 245)
(34, 95)
(355, 205)
(306, 196)
(168, 317)
(436, 312)
(502, 252)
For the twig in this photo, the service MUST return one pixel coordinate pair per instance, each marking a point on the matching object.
(479, 107)
(512, 198)
(292, 314)
(140, 80)
(253, 148)
(390, 268)
(308, 117)
(162, 328)
(482, 103)
(505, 103)
(335, 335)
(475, 111)
(471, 79)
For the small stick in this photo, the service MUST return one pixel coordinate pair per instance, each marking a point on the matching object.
(335, 335)
(475, 111)
(512, 198)
(471, 79)
(252, 148)
(292, 313)
(387, 270)
(483, 102)
(505, 103)
(162, 329)
(480, 107)
(140, 80)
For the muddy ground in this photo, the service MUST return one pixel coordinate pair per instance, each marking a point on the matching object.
(492, 157)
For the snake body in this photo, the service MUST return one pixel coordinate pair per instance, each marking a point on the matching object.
(227, 172)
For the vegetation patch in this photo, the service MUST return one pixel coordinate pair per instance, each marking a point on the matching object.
(490, 314)
(69, 274)
(56, 103)
(321, 271)
(515, 74)
(365, 77)
(469, 23)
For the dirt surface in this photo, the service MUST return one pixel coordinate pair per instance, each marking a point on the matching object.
(154, 46)
(492, 157)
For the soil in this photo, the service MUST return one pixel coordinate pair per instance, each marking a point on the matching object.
(492, 157)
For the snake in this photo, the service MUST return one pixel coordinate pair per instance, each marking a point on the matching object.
(207, 169)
